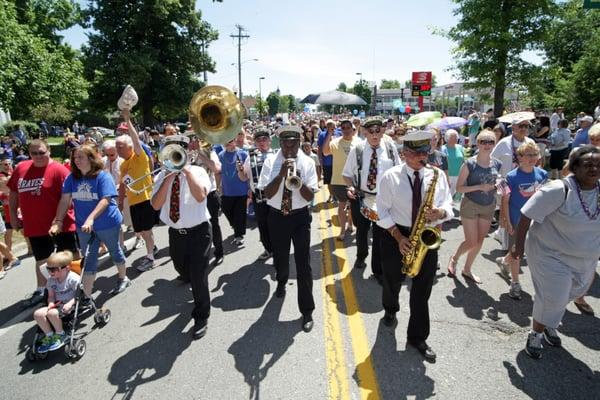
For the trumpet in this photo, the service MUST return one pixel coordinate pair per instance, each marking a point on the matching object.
(292, 181)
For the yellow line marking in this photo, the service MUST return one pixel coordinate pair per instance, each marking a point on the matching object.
(368, 385)
(334, 347)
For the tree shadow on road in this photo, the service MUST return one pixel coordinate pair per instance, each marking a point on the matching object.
(399, 374)
(154, 359)
(558, 375)
(267, 336)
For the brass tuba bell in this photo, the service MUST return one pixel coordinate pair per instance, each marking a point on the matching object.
(216, 114)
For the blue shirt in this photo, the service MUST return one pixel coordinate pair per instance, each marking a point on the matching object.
(327, 160)
(581, 138)
(522, 186)
(87, 192)
(230, 182)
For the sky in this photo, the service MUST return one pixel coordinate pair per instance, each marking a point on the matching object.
(311, 46)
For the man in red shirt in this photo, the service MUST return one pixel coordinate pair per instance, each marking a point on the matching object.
(36, 187)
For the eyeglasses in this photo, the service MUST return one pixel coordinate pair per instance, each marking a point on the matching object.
(486, 142)
(37, 153)
(374, 130)
(54, 269)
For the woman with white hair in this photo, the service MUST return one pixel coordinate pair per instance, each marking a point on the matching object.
(456, 157)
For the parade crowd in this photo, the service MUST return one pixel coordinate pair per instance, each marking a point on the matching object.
(534, 180)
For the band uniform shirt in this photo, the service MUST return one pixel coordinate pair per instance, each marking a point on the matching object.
(133, 168)
(191, 213)
(383, 164)
(394, 196)
(253, 166)
(305, 168)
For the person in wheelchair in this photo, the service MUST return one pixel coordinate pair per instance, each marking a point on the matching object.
(62, 287)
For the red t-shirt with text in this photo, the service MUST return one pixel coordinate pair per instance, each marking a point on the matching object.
(39, 191)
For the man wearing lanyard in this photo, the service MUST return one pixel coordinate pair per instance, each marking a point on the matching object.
(252, 167)
(181, 199)
(375, 157)
(400, 194)
(289, 216)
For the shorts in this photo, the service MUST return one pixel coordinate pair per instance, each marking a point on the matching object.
(327, 173)
(43, 246)
(339, 192)
(557, 158)
(143, 216)
(471, 210)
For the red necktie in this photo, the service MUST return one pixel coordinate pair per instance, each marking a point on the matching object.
(174, 208)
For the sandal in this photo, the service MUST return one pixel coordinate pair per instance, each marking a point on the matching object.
(12, 264)
(585, 308)
(452, 267)
(471, 277)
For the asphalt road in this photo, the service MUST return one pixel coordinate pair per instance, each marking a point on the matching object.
(255, 348)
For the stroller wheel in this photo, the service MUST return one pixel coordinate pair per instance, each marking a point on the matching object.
(102, 316)
(79, 348)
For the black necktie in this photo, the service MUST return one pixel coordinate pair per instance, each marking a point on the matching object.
(416, 196)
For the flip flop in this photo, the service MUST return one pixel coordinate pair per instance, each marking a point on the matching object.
(470, 277)
(452, 267)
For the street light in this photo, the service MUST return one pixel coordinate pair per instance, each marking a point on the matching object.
(260, 94)
(240, 73)
(360, 80)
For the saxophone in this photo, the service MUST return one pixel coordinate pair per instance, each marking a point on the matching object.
(422, 238)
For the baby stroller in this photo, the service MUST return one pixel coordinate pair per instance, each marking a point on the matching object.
(74, 344)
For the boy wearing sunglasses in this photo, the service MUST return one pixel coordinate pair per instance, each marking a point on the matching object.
(61, 286)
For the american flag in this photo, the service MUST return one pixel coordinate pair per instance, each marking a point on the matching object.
(502, 187)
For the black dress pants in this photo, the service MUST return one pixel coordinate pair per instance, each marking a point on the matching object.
(213, 203)
(418, 324)
(293, 228)
(261, 211)
(362, 237)
(234, 208)
(189, 252)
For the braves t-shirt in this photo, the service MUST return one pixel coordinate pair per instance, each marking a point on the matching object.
(39, 190)
(522, 186)
(87, 192)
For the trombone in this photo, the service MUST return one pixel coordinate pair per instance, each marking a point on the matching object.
(292, 181)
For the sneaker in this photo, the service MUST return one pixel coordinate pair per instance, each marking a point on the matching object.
(2, 274)
(44, 344)
(504, 268)
(265, 255)
(36, 297)
(56, 341)
(12, 264)
(139, 243)
(515, 291)
(122, 284)
(534, 347)
(551, 337)
(154, 251)
(146, 265)
(238, 241)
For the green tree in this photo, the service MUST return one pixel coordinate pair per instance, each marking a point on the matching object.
(273, 101)
(292, 103)
(362, 90)
(491, 37)
(261, 106)
(156, 46)
(389, 84)
(47, 17)
(284, 104)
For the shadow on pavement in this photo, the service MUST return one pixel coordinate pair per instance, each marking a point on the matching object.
(400, 374)
(245, 288)
(267, 339)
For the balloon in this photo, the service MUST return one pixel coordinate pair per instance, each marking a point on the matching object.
(362, 114)
(408, 109)
(354, 112)
(401, 109)
(397, 103)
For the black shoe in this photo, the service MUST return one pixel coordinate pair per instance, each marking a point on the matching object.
(218, 260)
(424, 349)
(280, 291)
(200, 328)
(359, 263)
(35, 298)
(307, 323)
(378, 278)
(389, 319)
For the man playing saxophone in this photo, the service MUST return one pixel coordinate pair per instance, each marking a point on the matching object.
(402, 191)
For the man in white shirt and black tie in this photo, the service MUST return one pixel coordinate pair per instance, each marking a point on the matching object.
(289, 216)
(181, 199)
(375, 157)
(400, 193)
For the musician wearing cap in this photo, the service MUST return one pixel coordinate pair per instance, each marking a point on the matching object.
(411, 201)
(180, 197)
(252, 168)
(365, 165)
(289, 181)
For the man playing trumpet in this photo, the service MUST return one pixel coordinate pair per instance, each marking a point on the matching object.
(289, 181)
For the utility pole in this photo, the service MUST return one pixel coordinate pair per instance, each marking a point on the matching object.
(239, 37)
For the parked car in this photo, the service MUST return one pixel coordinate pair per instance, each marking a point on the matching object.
(106, 132)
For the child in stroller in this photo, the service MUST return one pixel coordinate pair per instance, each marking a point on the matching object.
(62, 288)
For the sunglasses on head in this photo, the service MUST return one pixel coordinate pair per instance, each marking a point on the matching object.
(486, 142)
(54, 269)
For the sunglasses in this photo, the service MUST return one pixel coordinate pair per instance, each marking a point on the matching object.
(374, 130)
(486, 142)
(54, 269)
(37, 153)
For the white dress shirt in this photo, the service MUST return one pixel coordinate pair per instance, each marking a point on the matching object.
(394, 197)
(306, 170)
(383, 164)
(214, 158)
(191, 213)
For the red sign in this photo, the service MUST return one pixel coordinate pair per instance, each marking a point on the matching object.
(421, 78)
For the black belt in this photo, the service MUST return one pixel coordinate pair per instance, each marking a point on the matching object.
(187, 231)
(292, 212)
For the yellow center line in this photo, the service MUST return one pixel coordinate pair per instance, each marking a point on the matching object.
(368, 385)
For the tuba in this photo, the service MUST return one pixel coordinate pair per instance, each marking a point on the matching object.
(422, 238)
(292, 182)
(216, 114)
